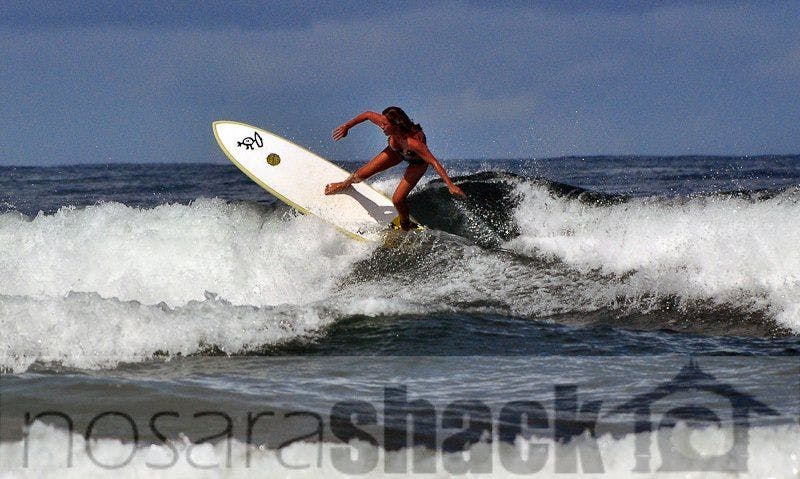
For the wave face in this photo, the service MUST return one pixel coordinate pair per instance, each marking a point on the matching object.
(123, 283)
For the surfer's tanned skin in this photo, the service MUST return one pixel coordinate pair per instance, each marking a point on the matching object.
(406, 142)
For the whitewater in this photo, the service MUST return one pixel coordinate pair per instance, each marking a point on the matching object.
(149, 289)
(123, 283)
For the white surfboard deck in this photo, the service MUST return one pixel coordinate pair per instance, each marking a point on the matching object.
(298, 177)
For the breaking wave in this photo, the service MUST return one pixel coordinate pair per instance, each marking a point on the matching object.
(90, 287)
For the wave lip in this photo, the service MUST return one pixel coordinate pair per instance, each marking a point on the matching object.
(728, 250)
(172, 254)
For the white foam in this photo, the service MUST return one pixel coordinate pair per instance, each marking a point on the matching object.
(772, 453)
(109, 283)
(94, 287)
(173, 254)
(727, 250)
(87, 331)
(380, 306)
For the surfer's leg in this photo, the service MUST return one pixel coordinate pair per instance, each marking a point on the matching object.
(384, 160)
(410, 179)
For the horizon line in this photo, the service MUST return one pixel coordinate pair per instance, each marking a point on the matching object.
(545, 158)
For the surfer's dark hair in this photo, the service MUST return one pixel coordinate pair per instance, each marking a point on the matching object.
(400, 119)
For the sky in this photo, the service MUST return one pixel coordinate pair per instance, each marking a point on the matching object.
(141, 82)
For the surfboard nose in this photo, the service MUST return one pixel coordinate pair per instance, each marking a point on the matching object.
(298, 177)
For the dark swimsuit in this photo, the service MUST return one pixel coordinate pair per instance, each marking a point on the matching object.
(410, 156)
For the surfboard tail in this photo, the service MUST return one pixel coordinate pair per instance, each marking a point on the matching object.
(395, 224)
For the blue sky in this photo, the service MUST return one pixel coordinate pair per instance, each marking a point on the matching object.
(114, 82)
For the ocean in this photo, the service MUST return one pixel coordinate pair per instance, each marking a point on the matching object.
(630, 316)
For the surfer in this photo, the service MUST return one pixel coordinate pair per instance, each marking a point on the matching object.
(406, 142)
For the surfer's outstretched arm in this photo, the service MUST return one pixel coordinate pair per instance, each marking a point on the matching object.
(422, 150)
(341, 131)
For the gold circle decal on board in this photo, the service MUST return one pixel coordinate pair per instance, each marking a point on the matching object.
(273, 159)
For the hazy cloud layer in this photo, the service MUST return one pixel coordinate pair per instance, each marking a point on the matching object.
(96, 83)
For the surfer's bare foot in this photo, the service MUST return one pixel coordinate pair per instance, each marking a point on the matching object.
(333, 188)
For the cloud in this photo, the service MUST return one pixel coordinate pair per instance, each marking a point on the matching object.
(485, 81)
(210, 14)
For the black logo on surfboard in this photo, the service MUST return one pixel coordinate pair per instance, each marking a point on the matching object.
(249, 141)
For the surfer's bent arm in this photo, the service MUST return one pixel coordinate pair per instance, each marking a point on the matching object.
(422, 150)
(372, 116)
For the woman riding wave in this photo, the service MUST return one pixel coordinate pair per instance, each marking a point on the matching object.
(406, 142)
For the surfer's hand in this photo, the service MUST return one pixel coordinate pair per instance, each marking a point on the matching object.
(455, 190)
(340, 132)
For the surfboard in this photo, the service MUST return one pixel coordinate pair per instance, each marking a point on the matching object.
(298, 177)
